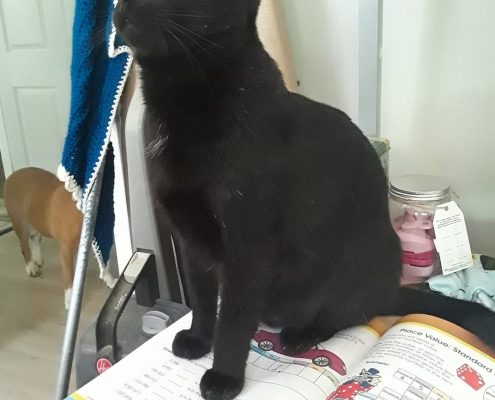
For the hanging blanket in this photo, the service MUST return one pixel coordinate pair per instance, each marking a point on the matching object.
(99, 69)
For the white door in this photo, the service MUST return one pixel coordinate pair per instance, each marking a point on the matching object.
(35, 49)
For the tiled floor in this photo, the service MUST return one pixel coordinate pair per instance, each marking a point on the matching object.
(32, 320)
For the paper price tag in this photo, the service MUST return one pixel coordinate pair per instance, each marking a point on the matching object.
(451, 238)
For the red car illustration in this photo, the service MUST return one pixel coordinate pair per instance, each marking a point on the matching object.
(269, 341)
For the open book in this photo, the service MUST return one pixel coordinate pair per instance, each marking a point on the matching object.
(411, 358)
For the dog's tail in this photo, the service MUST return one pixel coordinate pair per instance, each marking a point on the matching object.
(470, 316)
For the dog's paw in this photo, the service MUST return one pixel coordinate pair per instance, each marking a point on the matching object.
(217, 386)
(190, 347)
(295, 341)
(33, 269)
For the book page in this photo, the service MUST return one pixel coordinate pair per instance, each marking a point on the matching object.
(152, 372)
(417, 360)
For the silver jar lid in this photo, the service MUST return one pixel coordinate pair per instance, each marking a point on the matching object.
(420, 187)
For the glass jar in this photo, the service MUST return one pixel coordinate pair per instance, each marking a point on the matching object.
(413, 200)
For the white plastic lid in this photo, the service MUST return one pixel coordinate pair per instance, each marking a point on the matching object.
(154, 322)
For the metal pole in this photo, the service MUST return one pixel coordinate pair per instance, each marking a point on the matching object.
(87, 232)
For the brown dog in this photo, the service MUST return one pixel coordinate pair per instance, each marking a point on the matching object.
(39, 205)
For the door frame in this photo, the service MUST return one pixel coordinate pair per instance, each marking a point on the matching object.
(4, 148)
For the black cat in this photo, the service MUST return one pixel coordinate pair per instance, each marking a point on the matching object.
(279, 203)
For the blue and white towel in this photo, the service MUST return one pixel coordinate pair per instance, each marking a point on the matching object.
(476, 284)
(99, 70)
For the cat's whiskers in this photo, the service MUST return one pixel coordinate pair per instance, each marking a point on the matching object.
(186, 50)
(177, 28)
(198, 64)
(172, 14)
(196, 34)
(180, 28)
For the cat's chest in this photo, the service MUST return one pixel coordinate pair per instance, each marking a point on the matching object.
(200, 155)
(183, 167)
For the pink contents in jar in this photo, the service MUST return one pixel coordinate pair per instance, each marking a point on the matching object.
(413, 200)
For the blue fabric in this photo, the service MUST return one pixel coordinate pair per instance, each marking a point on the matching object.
(96, 81)
(476, 283)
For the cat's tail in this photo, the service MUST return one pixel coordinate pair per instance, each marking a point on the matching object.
(470, 316)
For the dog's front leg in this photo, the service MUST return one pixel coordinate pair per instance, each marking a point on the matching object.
(67, 254)
(241, 308)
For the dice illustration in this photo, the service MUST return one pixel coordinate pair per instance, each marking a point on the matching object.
(470, 376)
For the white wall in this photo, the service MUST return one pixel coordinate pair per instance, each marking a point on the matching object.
(438, 86)
(438, 100)
(324, 36)
(334, 44)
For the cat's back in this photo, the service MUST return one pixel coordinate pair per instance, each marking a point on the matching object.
(307, 161)
(292, 123)
(315, 144)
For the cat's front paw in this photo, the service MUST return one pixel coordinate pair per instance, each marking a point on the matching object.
(186, 345)
(217, 386)
(295, 341)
